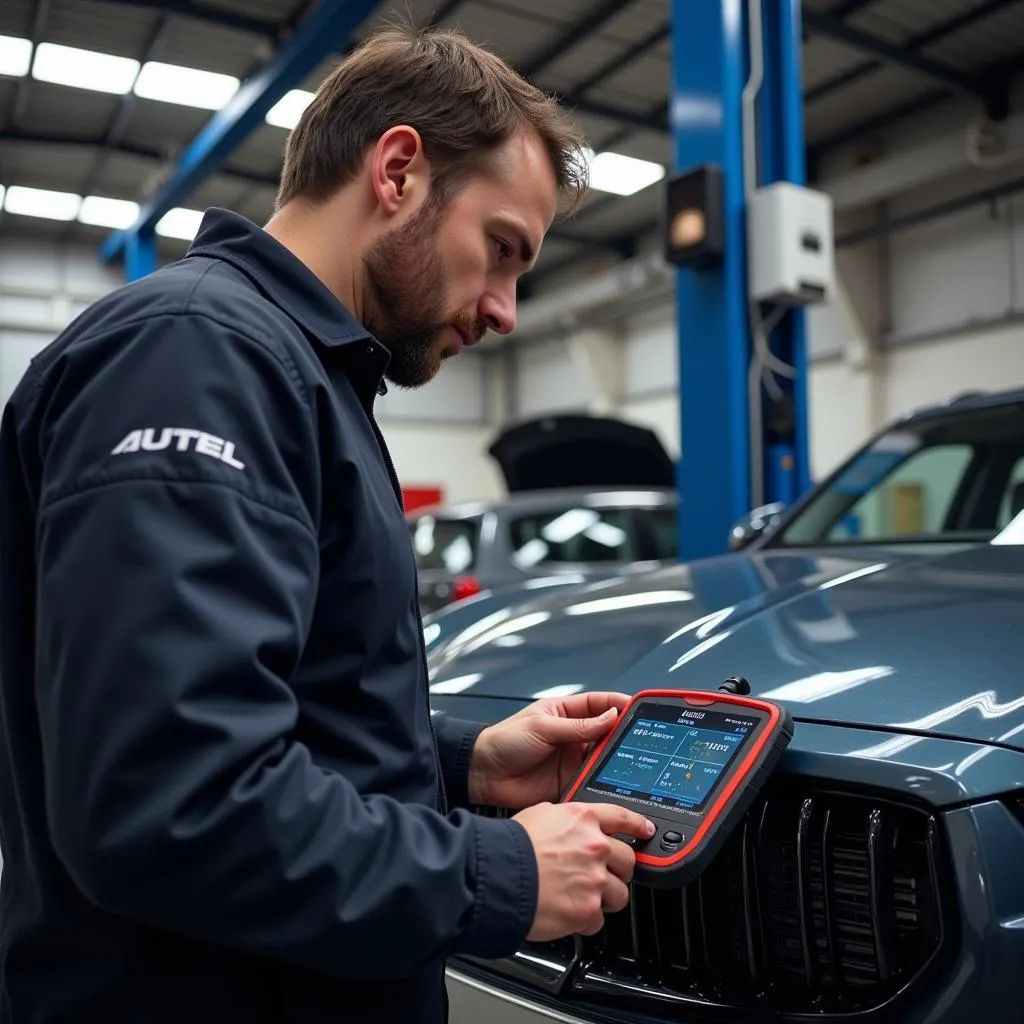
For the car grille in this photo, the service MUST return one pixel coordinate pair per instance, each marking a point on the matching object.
(822, 902)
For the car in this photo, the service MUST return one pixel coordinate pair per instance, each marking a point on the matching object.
(588, 497)
(877, 874)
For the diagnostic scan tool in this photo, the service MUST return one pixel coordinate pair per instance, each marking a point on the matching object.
(691, 761)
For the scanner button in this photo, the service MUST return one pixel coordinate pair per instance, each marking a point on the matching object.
(673, 838)
(627, 839)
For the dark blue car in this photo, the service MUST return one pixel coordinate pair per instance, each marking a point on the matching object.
(880, 874)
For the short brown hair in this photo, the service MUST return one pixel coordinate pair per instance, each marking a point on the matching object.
(461, 98)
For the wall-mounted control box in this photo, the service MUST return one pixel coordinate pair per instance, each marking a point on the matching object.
(790, 245)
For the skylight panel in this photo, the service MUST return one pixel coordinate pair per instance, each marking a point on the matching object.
(180, 223)
(41, 202)
(15, 56)
(289, 108)
(84, 69)
(189, 87)
(623, 175)
(102, 212)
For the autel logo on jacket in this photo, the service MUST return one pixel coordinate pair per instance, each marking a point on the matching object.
(205, 444)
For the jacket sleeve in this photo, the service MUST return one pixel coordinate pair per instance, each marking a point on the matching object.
(456, 738)
(177, 576)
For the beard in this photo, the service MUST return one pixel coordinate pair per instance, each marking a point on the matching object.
(407, 285)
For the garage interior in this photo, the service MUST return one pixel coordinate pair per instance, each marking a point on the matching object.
(806, 222)
(903, 113)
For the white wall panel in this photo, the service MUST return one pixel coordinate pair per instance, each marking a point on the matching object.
(547, 380)
(950, 272)
(841, 413)
(920, 374)
(451, 457)
(660, 414)
(650, 358)
(17, 349)
(458, 394)
(41, 266)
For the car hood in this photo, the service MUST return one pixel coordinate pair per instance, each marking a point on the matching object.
(926, 642)
(580, 451)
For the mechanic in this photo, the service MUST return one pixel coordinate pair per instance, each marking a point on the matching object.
(222, 797)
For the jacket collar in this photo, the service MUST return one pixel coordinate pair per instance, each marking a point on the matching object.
(286, 280)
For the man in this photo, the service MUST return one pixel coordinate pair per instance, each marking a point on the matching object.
(221, 796)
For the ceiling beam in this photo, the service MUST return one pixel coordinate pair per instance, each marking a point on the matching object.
(576, 34)
(605, 71)
(944, 75)
(15, 136)
(915, 43)
(217, 16)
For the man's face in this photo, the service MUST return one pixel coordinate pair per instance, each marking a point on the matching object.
(447, 275)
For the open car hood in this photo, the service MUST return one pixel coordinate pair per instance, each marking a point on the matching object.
(580, 451)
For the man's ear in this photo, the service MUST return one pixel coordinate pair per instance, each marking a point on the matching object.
(399, 172)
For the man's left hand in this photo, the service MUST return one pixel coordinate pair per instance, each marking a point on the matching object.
(530, 757)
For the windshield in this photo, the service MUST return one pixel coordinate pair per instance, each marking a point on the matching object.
(957, 475)
(449, 545)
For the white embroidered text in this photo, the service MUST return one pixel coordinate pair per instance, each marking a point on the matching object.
(181, 439)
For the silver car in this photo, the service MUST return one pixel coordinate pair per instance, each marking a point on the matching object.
(588, 497)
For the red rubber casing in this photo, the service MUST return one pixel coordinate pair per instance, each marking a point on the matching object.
(740, 785)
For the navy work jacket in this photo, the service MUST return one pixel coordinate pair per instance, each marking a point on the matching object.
(221, 796)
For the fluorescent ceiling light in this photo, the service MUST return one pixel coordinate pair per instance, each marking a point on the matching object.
(101, 212)
(39, 202)
(180, 223)
(288, 109)
(15, 56)
(1, 197)
(188, 87)
(84, 69)
(623, 175)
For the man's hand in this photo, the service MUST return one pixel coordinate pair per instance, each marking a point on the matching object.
(530, 757)
(583, 873)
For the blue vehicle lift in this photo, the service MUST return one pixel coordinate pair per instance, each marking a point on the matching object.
(326, 30)
(734, 459)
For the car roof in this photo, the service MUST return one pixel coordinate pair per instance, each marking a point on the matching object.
(965, 401)
(531, 501)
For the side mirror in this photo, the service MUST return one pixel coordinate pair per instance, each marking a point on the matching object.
(755, 524)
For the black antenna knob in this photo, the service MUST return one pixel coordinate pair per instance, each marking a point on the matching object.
(736, 684)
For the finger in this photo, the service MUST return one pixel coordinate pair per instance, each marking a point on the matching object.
(592, 705)
(575, 730)
(594, 925)
(613, 819)
(621, 860)
(615, 896)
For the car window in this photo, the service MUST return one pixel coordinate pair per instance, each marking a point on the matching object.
(958, 474)
(572, 535)
(665, 531)
(914, 499)
(1013, 497)
(448, 544)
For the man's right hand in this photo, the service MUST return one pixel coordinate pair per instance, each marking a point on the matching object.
(583, 871)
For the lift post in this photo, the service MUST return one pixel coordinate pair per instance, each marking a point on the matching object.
(731, 461)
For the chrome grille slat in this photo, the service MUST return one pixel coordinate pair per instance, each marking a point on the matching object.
(878, 889)
(828, 887)
(803, 886)
(750, 907)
